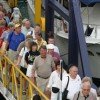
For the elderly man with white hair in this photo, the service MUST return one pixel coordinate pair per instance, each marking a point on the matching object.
(85, 93)
(74, 82)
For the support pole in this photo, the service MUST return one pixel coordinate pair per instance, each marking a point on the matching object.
(76, 23)
(73, 39)
(49, 15)
(37, 18)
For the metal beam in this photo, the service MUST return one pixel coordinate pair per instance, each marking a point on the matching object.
(73, 40)
(59, 9)
(50, 6)
(74, 4)
(37, 7)
(49, 19)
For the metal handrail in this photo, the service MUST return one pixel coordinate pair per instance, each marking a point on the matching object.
(6, 62)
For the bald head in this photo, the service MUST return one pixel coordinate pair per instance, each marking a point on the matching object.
(73, 71)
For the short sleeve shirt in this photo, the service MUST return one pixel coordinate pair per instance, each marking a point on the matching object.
(14, 40)
(43, 67)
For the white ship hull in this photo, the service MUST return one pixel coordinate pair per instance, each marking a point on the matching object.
(93, 51)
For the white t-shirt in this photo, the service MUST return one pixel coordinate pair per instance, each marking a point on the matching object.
(73, 86)
(22, 54)
(32, 33)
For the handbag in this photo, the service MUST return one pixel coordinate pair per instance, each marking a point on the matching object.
(65, 92)
(55, 89)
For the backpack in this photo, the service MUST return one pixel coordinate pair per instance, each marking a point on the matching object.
(11, 34)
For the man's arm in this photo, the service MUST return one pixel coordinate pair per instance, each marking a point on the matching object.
(20, 57)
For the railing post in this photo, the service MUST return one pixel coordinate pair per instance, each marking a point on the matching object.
(15, 88)
(30, 91)
(12, 83)
(20, 87)
(15, 82)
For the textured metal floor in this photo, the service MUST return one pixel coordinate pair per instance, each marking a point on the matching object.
(6, 93)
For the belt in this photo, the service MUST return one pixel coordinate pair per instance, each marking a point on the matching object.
(43, 77)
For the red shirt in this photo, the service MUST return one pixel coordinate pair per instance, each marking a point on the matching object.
(2, 29)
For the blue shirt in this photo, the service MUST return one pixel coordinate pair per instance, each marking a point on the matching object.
(14, 40)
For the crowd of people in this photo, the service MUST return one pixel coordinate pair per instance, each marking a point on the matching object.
(40, 60)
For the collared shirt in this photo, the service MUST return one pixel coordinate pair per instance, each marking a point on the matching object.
(14, 40)
(73, 86)
(43, 67)
(24, 30)
(40, 43)
(79, 96)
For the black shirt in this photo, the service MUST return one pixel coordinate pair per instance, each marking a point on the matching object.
(30, 56)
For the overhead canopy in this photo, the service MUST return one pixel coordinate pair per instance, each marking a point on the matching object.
(87, 2)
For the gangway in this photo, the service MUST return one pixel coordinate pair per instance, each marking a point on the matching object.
(10, 87)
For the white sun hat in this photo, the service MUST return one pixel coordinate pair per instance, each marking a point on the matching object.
(50, 46)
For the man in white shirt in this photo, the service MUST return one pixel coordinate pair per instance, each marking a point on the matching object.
(88, 79)
(26, 28)
(85, 92)
(36, 29)
(74, 82)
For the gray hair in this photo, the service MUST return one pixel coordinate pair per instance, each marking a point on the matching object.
(87, 79)
(86, 84)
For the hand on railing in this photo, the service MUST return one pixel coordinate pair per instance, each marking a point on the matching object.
(3, 52)
(47, 92)
(16, 64)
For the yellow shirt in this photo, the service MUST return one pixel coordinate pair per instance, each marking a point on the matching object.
(40, 43)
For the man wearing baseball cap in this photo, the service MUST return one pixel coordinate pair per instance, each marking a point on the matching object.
(14, 39)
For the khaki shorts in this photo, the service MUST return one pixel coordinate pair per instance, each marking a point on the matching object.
(12, 55)
(42, 83)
